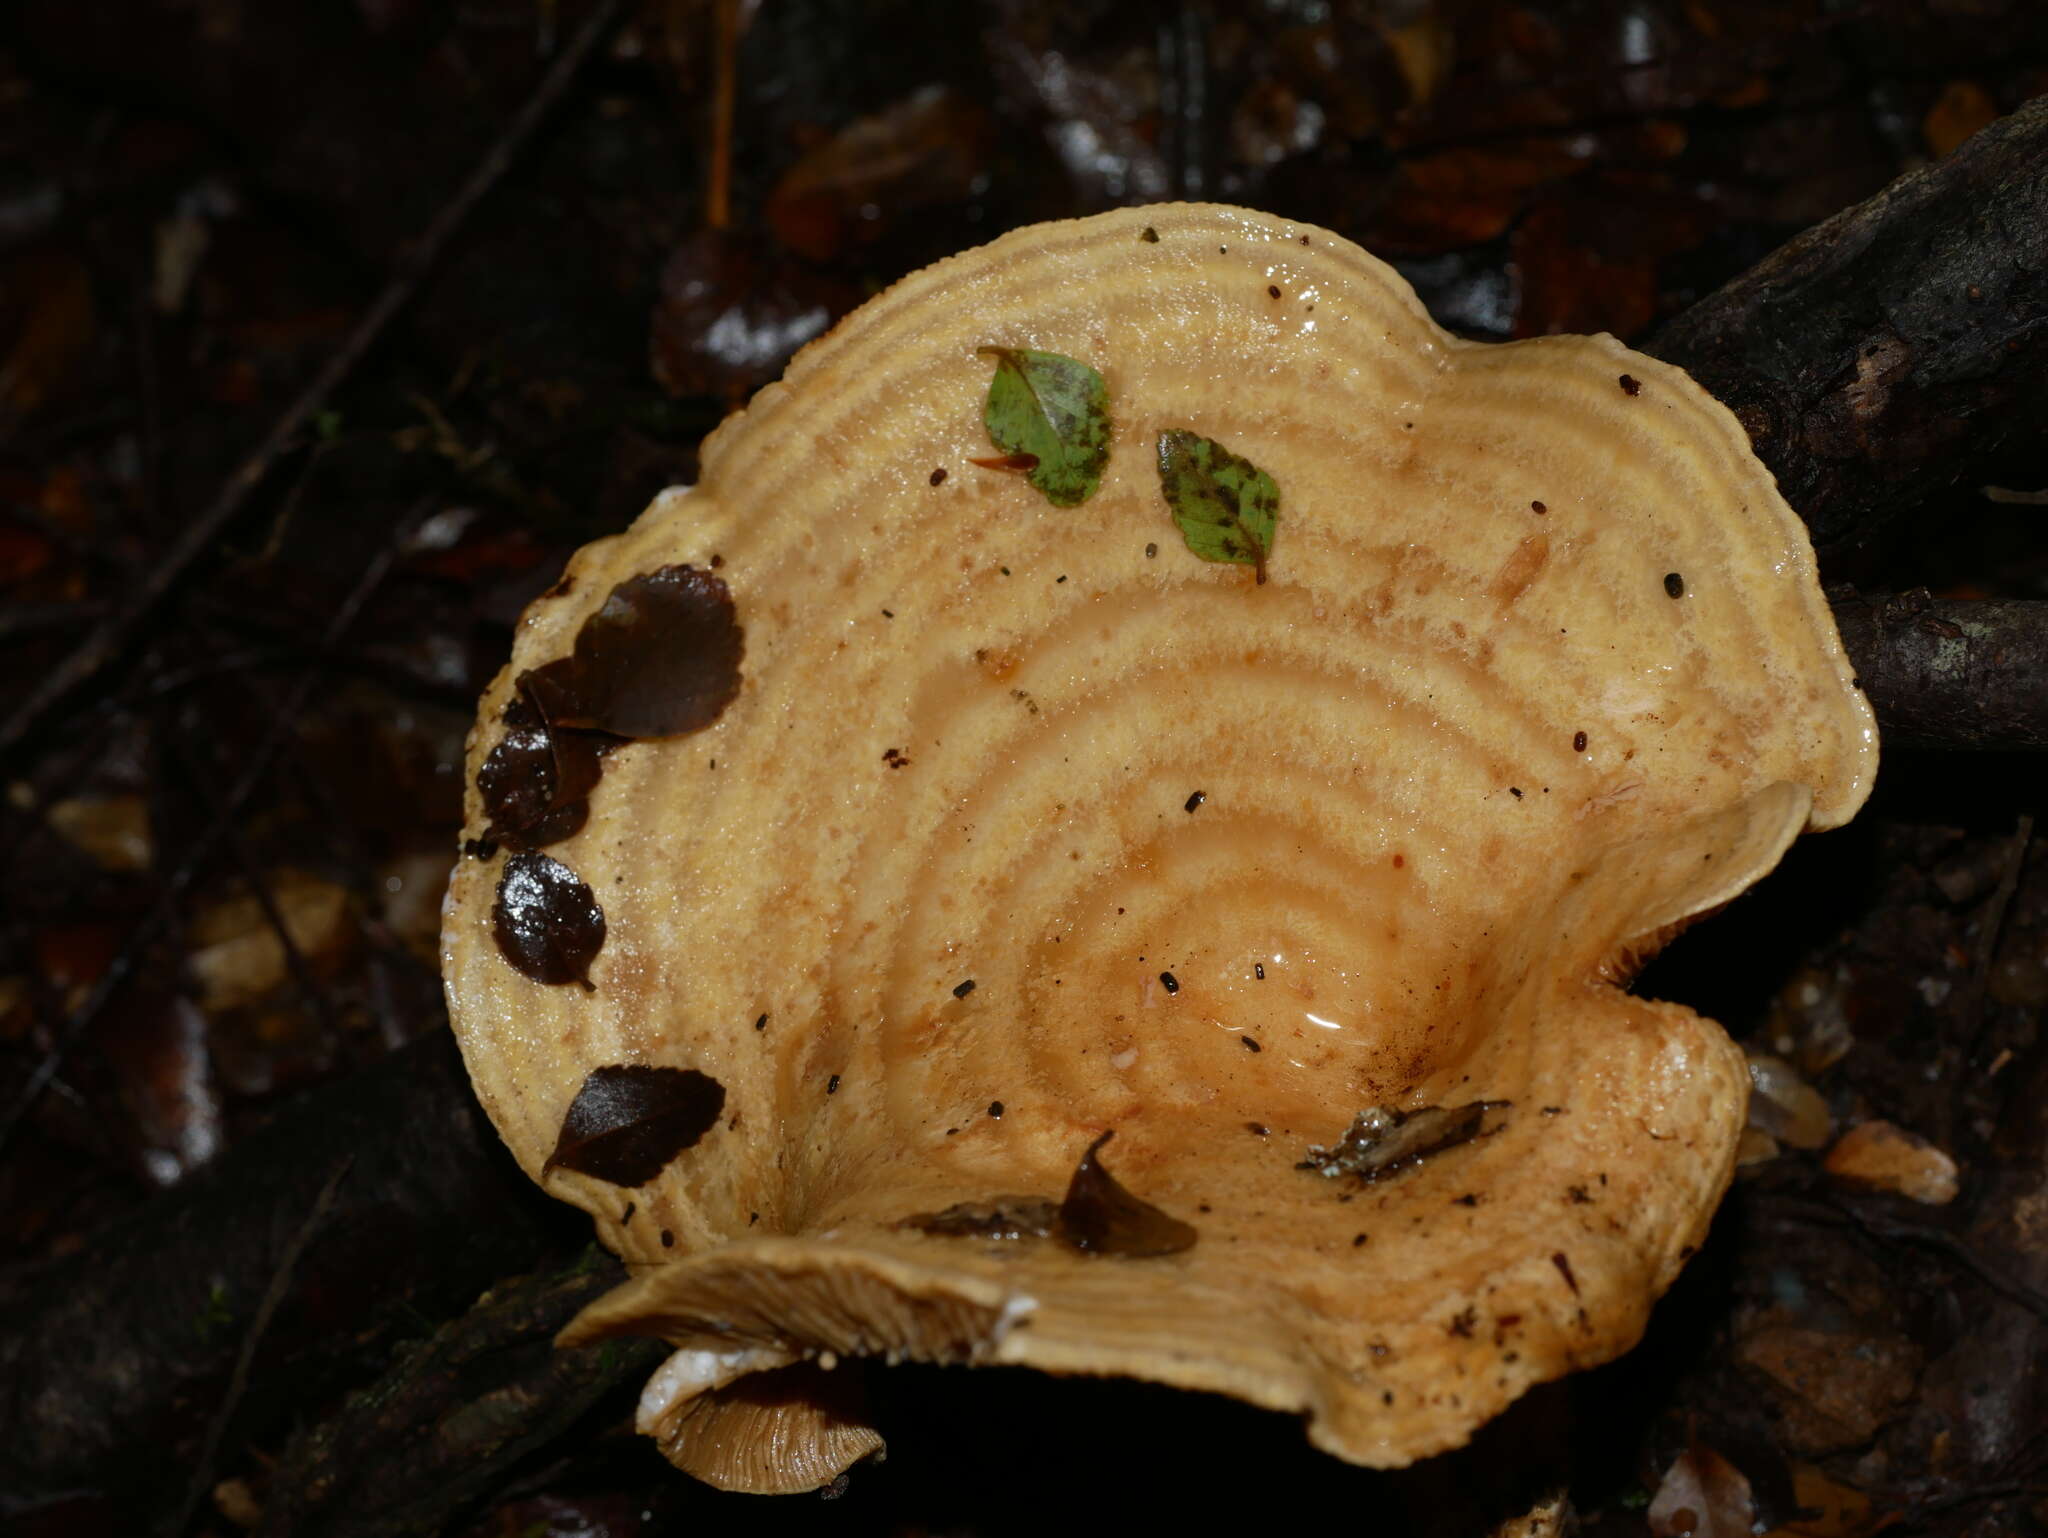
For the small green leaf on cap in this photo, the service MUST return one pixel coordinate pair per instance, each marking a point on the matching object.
(1226, 507)
(1053, 411)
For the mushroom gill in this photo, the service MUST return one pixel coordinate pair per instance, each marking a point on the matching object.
(1027, 825)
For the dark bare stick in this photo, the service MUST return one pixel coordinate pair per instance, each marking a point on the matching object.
(111, 636)
(273, 1295)
(718, 189)
(1951, 673)
(1896, 349)
(493, 1387)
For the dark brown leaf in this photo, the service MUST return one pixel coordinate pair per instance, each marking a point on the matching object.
(547, 922)
(517, 780)
(1100, 1217)
(565, 822)
(536, 782)
(661, 658)
(629, 1120)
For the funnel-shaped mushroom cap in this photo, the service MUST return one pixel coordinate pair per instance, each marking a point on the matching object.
(1534, 669)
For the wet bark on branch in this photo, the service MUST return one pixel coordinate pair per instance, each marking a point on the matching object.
(1896, 349)
(1951, 673)
(454, 1414)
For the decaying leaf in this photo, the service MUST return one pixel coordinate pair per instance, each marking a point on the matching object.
(629, 1120)
(1225, 506)
(1002, 1217)
(730, 310)
(114, 830)
(1883, 1157)
(236, 955)
(923, 151)
(1100, 1217)
(1382, 1140)
(660, 658)
(537, 781)
(546, 921)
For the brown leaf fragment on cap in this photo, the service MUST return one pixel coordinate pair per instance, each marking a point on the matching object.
(1000, 1217)
(629, 1120)
(1383, 1141)
(517, 779)
(1100, 1217)
(661, 658)
(546, 921)
(536, 782)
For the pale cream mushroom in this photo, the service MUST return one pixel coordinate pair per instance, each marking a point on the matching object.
(1541, 671)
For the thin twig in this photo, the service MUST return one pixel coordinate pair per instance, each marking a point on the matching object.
(168, 903)
(1993, 927)
(1182, 48)
(2007, 1490)
(198, 775)
(238, 1383)
(345, 844)
(1833, 1210)
(34, 618)
(147, 378)
(725, 90)
(111, 637)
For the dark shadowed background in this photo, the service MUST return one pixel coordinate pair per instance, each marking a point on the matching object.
(329, 328)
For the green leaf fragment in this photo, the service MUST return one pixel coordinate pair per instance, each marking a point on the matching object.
(1226, 507)
(1054, 411)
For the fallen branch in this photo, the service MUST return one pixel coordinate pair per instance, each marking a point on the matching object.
(1951, 673)
(455, 1414)
(1896, 349)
